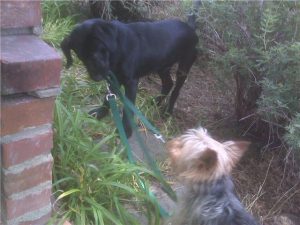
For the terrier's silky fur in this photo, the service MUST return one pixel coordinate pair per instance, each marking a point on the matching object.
(204, 166)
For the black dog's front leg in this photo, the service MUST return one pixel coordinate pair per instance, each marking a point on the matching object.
(130, 93)
(100, 112)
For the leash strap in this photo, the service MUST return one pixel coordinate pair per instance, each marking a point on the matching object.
(118, 122)
(165, 186)
(116, 115)
(116, 87)
(128, 105)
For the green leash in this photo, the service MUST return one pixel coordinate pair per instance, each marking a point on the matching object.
(128, 106)
(118, 122)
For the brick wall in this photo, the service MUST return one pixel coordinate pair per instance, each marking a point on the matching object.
(30, 72)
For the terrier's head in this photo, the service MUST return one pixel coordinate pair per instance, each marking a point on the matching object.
(196, 156)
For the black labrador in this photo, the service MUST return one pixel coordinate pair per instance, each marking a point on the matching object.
(131, 51)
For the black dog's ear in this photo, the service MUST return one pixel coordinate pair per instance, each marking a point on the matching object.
(66, 48)
(106, 32)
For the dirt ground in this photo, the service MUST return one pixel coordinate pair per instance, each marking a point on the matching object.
(265, 180)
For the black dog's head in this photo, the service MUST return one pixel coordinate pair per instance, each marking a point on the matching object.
(93, 41)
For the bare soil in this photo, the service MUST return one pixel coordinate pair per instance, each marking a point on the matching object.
(266, 180)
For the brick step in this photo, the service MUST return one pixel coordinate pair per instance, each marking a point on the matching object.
(16, 14)
(28, 64)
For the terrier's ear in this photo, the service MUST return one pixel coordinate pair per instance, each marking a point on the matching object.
(236, 149)
(174, 148)
(207, 160)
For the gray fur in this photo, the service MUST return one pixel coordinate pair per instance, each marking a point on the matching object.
(211, 203)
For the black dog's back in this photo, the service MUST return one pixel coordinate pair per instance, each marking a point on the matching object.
(158, 45)
(154, 47)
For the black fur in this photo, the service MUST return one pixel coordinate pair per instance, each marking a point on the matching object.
(131, 51)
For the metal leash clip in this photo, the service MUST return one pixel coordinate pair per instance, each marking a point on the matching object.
(110, 94)
(159, 137)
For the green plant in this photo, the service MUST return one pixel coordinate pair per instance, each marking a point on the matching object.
(153, 113)
(92, 182)
(256, 45)
(57, 21)
(279, 100)
(293, 133)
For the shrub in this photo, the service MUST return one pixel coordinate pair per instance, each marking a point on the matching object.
(123, 10)
(256, 44)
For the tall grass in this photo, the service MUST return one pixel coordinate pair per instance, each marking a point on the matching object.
(92, 182)
(57, 21)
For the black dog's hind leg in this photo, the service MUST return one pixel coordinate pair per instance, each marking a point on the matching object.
(130, 93)
(102, 111)
(167, 85)
(180, 78)
(184, 67)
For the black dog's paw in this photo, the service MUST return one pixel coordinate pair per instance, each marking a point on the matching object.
(99, 113)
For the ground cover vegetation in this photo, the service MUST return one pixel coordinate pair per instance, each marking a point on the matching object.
(256, 44)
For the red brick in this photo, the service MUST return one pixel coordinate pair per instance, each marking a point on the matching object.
(19, 112)
(27, 178)
(28, 64)
(18, 150)
(41, 221)
(17, 207)
(16, 14)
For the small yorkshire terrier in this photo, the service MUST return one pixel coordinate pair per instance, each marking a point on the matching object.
(204, 165)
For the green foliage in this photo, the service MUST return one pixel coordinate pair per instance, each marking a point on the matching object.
(58, 21)
(167, 125)
(280, 96)
(293, 133)
(256, 44)
(93, 184)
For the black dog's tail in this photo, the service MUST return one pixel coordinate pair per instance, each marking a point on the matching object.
(66, 48)
(192, 16)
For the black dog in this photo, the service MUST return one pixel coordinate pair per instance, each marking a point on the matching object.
(131, 51)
